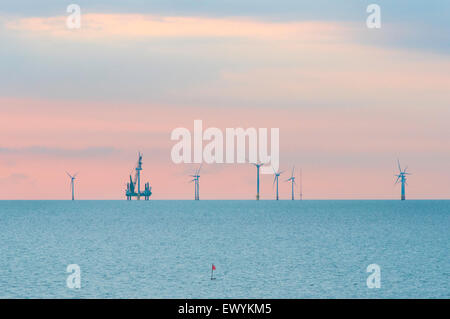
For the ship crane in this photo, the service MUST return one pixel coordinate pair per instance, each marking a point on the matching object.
(134, 186)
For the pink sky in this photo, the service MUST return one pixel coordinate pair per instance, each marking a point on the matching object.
(346, 111)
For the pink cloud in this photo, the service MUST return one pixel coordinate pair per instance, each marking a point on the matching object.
(139, 25)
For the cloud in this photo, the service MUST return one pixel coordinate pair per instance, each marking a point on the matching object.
(215, 62)
(13, 180)
(88, 152)
(412, 24)
(139, 25)
(16, 177)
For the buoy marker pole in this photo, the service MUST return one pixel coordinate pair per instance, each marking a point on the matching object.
(212, 271)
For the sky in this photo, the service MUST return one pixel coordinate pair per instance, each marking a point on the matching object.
(348, 100)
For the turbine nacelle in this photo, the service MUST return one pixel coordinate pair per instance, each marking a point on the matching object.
(276, 175)
(72, 186)
(195, 179)
(401, 177)
(292, 178)
(258, 164)
(72, 177)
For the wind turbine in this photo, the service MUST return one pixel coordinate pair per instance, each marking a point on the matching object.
(292, 180)
(402, 178)
(72, 178)
(275, 179)
(258, 164)
(195, 179)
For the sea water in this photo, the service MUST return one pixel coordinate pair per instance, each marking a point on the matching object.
(265, 249)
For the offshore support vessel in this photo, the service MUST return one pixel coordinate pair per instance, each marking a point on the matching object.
(134, 186)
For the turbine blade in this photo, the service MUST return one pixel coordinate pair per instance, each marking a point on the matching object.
(398, 163)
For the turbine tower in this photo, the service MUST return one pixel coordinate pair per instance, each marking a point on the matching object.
(257, 165)
(195, 179)
(72, 178)
(401, 177)
(292, 180)
(275, 179)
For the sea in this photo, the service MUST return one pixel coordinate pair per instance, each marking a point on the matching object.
(261, 249)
